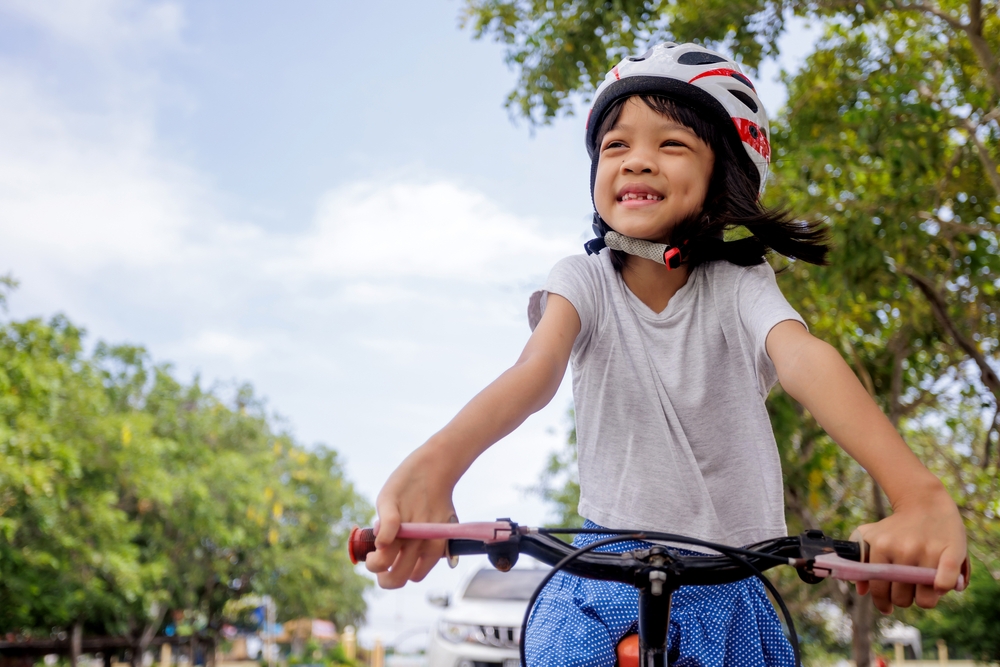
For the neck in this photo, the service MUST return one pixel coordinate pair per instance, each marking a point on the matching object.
(652, 282)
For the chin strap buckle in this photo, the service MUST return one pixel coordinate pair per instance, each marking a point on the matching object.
(594, 246)
(672, 258)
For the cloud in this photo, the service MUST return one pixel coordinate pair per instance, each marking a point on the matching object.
(382, 229)
(103, 26)
(218, 343)
(369, 325)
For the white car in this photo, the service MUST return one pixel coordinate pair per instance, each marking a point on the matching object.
(482, 626)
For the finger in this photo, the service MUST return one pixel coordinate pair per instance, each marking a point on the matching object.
(949, 566)
(881, 591)
(387, 526)
(901, 594)
(424, 565)
(431, 552)
(926, 597)
(907, 552)
(858, 535)
(400, 571)
(382, 559)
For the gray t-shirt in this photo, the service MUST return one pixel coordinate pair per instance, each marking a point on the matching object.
(672, 429)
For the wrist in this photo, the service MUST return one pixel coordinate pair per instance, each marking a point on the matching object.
(438, 461)
(923, 492)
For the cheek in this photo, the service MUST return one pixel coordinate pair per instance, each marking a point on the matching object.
(603, 185)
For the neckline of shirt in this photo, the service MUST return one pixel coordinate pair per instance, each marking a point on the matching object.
(677, 303)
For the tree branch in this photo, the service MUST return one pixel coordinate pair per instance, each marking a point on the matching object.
(944, 16)
(957, 226)
(976, 16)
(863, 374)
(899, 349)
(939, 308)
(988, 440)
(973, 30)
(989, 166)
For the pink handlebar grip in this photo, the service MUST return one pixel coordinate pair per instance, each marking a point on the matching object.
(362, 540)
(848, 570)
(487, 531)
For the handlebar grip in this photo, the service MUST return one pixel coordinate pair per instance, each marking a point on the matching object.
(841, 568)
(362, 540)
(360, 544)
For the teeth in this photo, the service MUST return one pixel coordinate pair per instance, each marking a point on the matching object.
(630, 196)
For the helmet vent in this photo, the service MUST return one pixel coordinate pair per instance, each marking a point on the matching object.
(746, 99)
(742, 79)
(636, 59)
(699, 58)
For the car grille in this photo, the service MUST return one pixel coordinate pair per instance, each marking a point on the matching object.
(498, 635)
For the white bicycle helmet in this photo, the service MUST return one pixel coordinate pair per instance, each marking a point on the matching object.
(695, 76)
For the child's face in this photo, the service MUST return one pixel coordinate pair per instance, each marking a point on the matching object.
(652, 172)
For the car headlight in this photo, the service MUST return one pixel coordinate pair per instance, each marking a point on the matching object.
(496, 636)
(454, 632)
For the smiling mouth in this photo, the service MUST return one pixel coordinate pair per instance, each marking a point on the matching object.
(640, 196)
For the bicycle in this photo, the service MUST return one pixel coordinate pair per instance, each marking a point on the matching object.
(656, 571)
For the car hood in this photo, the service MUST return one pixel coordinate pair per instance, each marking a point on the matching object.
(508, 613)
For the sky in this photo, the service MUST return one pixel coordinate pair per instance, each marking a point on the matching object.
(328, 201)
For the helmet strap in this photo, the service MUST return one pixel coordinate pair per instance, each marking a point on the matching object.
(670, 256)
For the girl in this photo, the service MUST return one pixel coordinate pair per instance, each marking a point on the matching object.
(675, 338)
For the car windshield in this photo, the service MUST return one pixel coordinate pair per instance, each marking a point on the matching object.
(496, 585)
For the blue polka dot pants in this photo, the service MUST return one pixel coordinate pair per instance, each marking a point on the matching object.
(579, 622)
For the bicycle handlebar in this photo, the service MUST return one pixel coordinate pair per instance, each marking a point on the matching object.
(812, 553)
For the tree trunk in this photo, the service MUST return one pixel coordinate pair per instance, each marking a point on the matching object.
(862, 622)
(148, 633)
(75, 640)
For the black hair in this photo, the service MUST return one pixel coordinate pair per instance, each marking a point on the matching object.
(732, 201)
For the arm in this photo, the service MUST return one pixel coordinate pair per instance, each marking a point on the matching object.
(420, 488)
(925, 528)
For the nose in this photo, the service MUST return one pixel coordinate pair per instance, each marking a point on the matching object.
(639, 161)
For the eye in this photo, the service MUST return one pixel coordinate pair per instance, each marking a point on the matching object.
(614, 143)
(673, 143)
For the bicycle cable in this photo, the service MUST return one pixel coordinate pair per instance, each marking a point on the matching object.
(667, 537)
(734, 553)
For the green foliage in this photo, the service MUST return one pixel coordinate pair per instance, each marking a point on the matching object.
(559, 484)
(7, 284)
(969, 622)
(562, 47)
(125, 494)
(315, 653)
(891, 136)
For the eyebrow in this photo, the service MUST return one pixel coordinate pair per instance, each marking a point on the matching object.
(669, 125)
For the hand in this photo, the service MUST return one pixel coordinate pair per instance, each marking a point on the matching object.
(413, 493)
(925, 529)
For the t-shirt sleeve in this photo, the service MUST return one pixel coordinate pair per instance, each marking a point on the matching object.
(761, 306)
(573, 278)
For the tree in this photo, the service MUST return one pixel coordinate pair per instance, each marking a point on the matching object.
(126, 495)
(891, 136)
(559, 484)
(969, 622)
